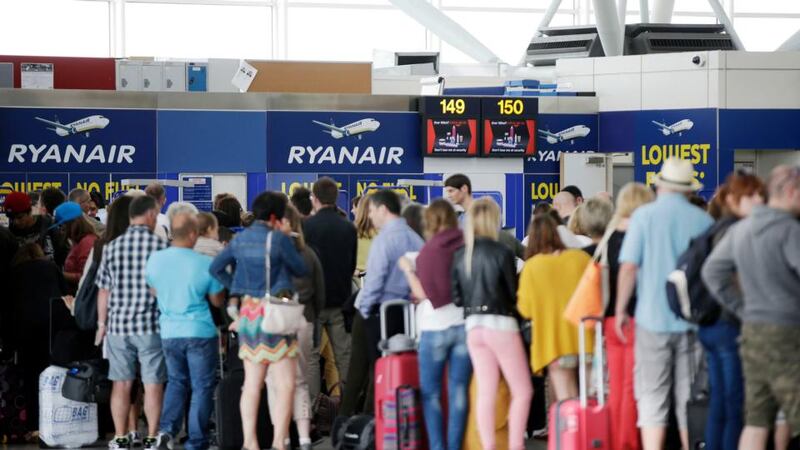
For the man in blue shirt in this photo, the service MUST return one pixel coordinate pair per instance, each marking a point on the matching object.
(179, 277)
(657, 235)
(384, 280)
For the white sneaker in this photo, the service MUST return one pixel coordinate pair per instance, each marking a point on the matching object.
(135, 439)
(119, 443)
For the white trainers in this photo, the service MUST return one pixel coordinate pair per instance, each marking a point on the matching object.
(119, 443)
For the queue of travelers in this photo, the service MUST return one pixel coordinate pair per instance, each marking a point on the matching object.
(171, 283)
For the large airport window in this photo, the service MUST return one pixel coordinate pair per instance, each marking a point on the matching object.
(214, 31)
(350, 34)
(506, 33)
(526, 4)
(54, 28)
(765, 34)
(770, 7)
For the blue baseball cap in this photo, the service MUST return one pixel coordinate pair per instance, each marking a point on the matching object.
(67, 212)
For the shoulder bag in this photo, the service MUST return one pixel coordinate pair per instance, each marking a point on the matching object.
(591, 296)
(280, 315)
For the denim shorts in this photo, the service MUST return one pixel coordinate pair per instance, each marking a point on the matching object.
(124, 352)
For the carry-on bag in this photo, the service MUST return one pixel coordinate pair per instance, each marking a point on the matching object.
(697, 405)
(63, 422)
(354, 433)
(398, 367)
(87, 381)
(583, 423)
(227, 418)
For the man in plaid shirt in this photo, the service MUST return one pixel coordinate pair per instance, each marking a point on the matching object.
(127, 312)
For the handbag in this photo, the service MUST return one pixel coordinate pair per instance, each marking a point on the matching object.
(591, 296)
(87, 382)
(280, 315)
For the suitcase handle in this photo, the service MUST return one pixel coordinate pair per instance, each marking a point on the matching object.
(599, 360)
(408, 317)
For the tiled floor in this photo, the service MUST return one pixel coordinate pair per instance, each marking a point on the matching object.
(325, 445)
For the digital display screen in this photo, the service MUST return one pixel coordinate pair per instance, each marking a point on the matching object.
(451, 126)
(509, 126)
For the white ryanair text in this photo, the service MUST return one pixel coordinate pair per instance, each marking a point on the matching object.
(321, 155)
(21, 153)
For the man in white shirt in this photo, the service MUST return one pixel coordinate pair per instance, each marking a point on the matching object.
(156, 190)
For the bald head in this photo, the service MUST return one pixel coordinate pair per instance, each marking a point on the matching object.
(184, 229)
(784, 188)
(564, 203)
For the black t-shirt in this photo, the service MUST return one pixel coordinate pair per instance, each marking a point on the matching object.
(614, 247)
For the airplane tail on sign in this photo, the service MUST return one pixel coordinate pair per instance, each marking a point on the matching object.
(547, 133)
(329, 128)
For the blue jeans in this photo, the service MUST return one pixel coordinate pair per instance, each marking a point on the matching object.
(191, 367)
(438, 349)
(726, 404)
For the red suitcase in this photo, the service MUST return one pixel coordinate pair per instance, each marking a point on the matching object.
(583, 423)
(397, 371)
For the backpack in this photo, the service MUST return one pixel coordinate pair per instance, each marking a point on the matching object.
(86, 300)
(687, 294)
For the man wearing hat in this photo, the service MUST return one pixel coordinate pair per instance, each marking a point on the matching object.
(657, 235)
(28, 228)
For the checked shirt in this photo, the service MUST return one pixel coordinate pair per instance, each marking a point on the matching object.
(132, 310)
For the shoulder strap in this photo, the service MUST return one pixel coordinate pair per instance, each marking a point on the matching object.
(268, 263)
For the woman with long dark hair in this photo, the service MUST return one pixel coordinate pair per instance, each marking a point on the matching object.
(547, 281)
(260, 351)
(311, 292)
(443, 338)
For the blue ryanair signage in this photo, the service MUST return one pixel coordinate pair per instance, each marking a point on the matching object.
(77, 140)
(343, 142)
(561, 133)
(655, 135)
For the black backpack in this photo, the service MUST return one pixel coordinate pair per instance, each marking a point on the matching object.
(86, 300)
(687, 294)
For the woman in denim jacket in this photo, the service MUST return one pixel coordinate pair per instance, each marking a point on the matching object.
(246, 254)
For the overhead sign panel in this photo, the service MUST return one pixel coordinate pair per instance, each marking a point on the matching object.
(451, 126)
(343, 142)
(77, 140)
(509, 126)
(561, 133)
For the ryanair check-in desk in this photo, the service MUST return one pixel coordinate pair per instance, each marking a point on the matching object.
(246, 143)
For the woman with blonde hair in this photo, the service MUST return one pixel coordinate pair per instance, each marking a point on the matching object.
(621, 402)
(485, 285)
(365, 232)
(357, 385)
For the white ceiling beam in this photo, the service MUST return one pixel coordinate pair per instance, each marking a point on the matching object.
(544, 23)
(447, 29)
(792, 44)
(608, 27)
(644, 11)
(662, 11)
(723, 18)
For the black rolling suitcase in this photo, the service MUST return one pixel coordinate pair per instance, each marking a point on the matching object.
(228, 419)
(697, 406)
(354, 433)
